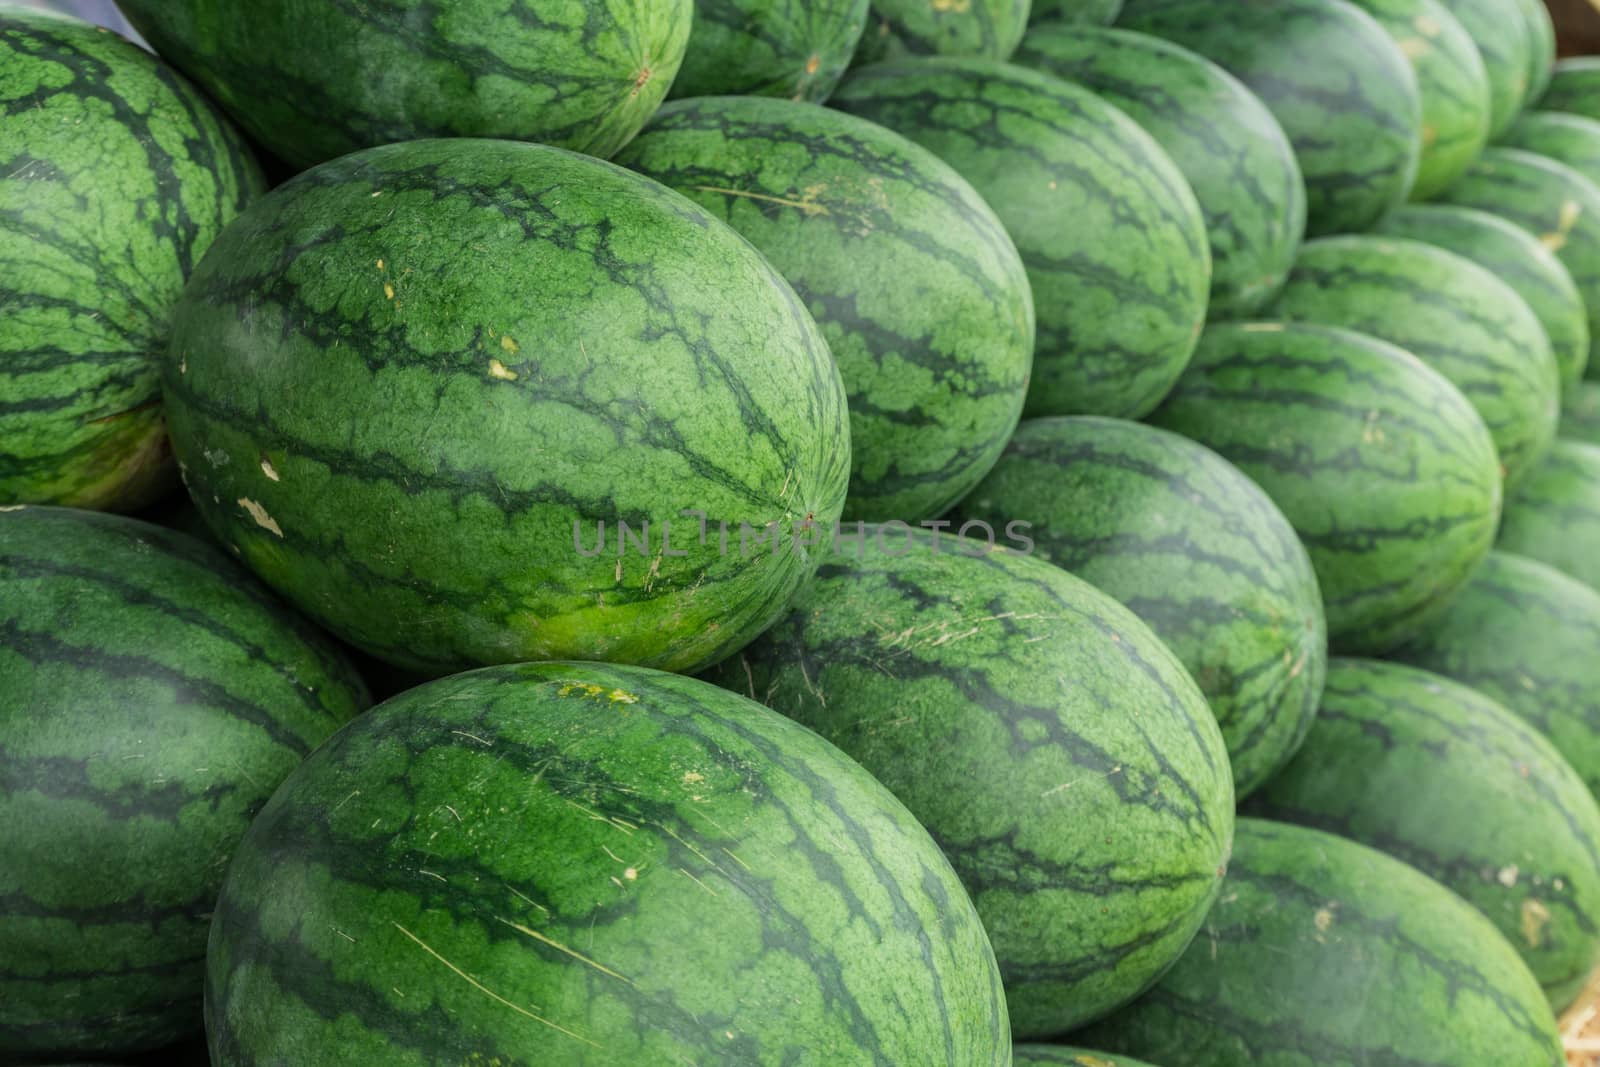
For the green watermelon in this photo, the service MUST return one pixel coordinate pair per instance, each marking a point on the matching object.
(1515, 257)
(1451, 313)
(922, 297)
(1502, 33)
(988, 29)
(1113, 238)
(1195, 549)
(1553, 202)
(1052, 745)
(1384, 469)
(1442, 777)
(1541, 48)
(1570, 139)
(115, 175)
(1322, 951)
(1082, 12)
(311, 81)
(1574, 87)
(1580, 419)
(1227, 144)
(1525, 634)
(794, 48)
(1045, 1055)
(1344, 92)
(410, 386)
(151, 698)
(581, 864)
(1554, 515)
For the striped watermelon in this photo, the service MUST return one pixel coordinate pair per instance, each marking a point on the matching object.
(1195, 549)
(115, 175)
(1525, 634)
(579, 864)
(1045, 1055)
(1325, 951)
(1227, 144)
(151, 698)
(988, 29)
(1580, 419)
(1574, 87)
(1502, 33)
(1570, 139)
(1554, 515)
(1541, 47)
(1114, 241)
(410, 385)
(795, 49)
(1449, 781)
(1451, 313)
(922, 297)
(314, 81)
(1055, 749)
(1344, 92)
(1381, 465)
(1517, 258)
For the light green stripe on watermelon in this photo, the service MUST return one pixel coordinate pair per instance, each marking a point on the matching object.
(1517, 258)
(115, 175)
(1195, 549)
(314, 81)
(1501, 31)
(1052, 745)
(987, 29)
(1230, 149)
(1554, 515)
(152, 696)
(1324, 951)
(920, 293)
(574, 864)
(1525, 634)
(1449, 781)
(1452, 314)
(792, 48)
(1541, 48)
(1114, 241)
(1381, 465)
(1046, 1055)
(409, 385)
(1580, 418)
(1339, 85)
(1574, 87)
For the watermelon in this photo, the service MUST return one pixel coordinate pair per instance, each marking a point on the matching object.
(314, 81)
(116, 174)
(1113, 238)
(1451, 313)
(410, 386)
(1574, 87)
(1384, 469)
(1231, 150)
(1453, 84)
(1515, 257)
(1580, 420)
(1525, 634)
(1541, 47)
(987, 29)
(1082, 12)
(578, 863)
(1570, 139)
(1328, 952)
(770, 47)
(1448, 780)
(1196, 550)
(1052, 745)
(1502, 33)
(1037, 1055)
(1553, 202)
(920, 293)
(1554, 515)
(151, 698)
(1344, 92)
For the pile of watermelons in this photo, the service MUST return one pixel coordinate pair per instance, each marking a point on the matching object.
(853, 576)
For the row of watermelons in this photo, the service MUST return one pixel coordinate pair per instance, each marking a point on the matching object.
(744, 403)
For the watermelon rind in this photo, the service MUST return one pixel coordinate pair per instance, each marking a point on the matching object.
(1554, 515)
(986, 29)
(797, 50)
(1503, 33)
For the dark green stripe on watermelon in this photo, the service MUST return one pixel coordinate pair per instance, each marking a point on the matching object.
(1451, 313)
(1501, 31)
(1386, 472)
(409, 386)
(1195, 549)
(1114, 241)
(922, 297)
(1324, 951)
(152, 697)
(1574, 87)
(1525, 634)
(988, 29)
(115, 175)
(1517, 258)
(1554, 515)
(1081, 12)
(1580, 418)
(315, 81)
(1448, 780)
(1036, 1055)
(793, 48)
(575, 864)
(1230, 149)
(1343, 91)
(1055, 749)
